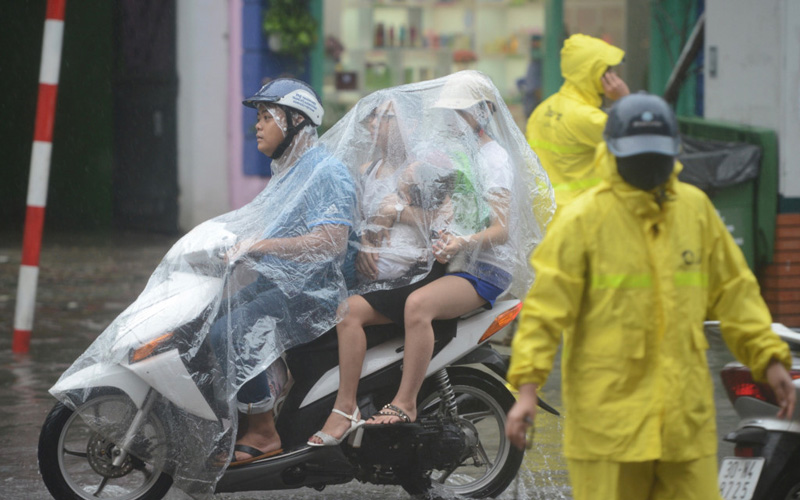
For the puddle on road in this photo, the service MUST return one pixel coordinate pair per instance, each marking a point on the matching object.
(79, 277)
(544, 472)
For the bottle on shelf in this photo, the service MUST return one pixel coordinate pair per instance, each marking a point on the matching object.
(379, 35)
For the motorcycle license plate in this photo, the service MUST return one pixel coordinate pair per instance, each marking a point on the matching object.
(738, 477)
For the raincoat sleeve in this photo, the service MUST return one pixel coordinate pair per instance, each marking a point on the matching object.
(735, 300)
(552, 303)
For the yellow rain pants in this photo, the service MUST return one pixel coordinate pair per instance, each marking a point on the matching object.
(653, 480)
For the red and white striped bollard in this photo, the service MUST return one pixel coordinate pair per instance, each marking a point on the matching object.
(39, 174)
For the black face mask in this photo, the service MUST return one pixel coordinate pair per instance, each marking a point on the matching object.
(645, 171)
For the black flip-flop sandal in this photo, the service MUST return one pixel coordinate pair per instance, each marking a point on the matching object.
(255, 453)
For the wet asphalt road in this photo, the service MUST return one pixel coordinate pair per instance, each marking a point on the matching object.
(86, 280)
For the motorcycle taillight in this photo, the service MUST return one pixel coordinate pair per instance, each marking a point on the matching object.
(738, 381)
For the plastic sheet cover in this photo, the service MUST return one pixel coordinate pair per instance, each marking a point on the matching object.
(472, 190)
(715, 165)
(431, 171)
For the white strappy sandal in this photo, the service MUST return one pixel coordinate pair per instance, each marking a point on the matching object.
(328, 440)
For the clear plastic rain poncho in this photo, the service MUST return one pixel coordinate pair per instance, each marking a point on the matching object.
(431, 171)
(443, 173)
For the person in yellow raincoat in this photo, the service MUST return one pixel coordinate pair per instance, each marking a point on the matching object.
(629, 272)
(566, 128)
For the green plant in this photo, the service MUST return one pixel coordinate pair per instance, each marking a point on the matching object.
(292, 22)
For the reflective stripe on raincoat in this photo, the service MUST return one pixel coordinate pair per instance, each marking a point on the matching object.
(565, 129)
(629, 284)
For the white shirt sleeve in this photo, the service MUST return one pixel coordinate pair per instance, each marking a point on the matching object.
(496, 171)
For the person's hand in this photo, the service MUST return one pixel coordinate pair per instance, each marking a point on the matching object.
(782, 386)
(239, 250)
(376, 235)
(521, 416)
(379, 224)
(614, 87)
(366, 261)
(387, 212)
(448, 245)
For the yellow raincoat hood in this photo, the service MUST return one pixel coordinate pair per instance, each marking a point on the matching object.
(584, 59)
(565, 128)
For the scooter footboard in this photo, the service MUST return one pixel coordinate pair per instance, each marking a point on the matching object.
(306, 467)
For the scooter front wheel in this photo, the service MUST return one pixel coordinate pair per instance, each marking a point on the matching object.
(76, 462)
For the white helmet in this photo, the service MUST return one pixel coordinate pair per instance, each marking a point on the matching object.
(292, 94)
(465, 89)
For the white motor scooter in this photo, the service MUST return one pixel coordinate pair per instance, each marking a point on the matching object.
(115, 442)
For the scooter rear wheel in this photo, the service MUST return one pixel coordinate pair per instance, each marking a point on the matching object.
(482, 402)
(788, 485)
(76, 462)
